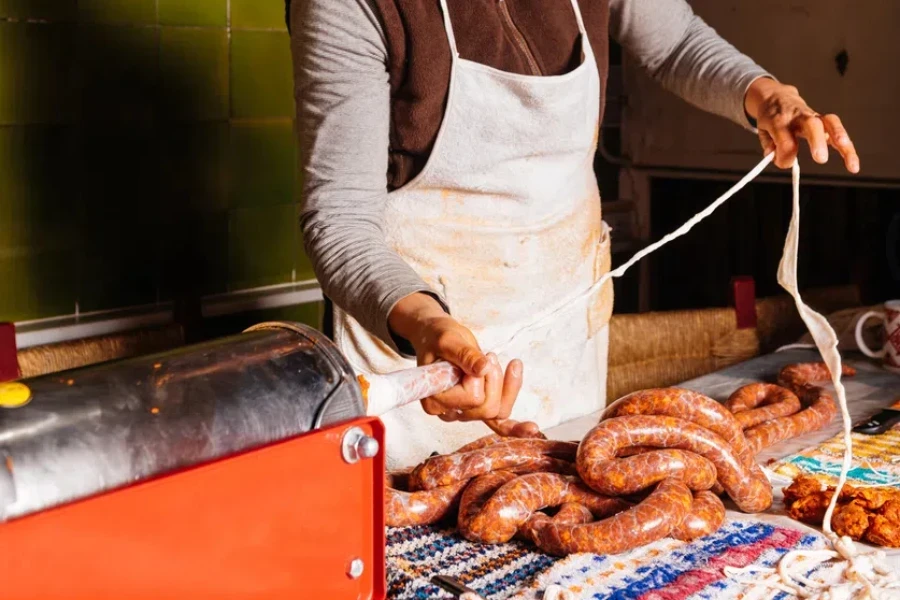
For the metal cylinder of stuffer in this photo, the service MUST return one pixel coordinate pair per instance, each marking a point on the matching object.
(99, 428)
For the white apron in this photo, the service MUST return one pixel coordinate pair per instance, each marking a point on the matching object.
(504, 224)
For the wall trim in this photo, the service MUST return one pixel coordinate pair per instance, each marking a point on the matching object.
(262, 298)
(64, 328)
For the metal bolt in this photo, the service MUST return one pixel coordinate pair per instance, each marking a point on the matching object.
(356, 445)
(367, 447)
(356, 568)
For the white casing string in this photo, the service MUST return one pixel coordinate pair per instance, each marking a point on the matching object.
(865, 575)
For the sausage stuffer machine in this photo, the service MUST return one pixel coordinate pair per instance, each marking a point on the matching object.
(244, 467)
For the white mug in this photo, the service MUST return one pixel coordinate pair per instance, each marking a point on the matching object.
(890, 353)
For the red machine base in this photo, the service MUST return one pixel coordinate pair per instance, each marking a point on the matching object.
(291, 520)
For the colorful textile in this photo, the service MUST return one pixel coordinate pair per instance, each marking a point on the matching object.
(664, 570)
(876, 460)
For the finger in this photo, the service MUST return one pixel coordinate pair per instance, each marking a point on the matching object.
(462, 353)
(785, 147)
(499, 427)
(512, 384)
(432, 407)
(440, 411)
(493, 389)
(765, 140)
(465, 396)
(527, 429)
(511, 428)
(813, 129)
(449, 416)
(474, 388)
(840, 139)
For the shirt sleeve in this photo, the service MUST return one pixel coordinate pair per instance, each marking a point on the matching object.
(342, 94)
(685, 55)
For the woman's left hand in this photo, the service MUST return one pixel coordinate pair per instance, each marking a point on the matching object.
(782, 117)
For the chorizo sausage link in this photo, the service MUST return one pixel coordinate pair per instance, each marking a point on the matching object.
(819, 413)
(403, 508)
(497, 518)
(760, 402)
(652, 519)
(801, 375)
(482, 442)
(573, 513)
(476, 494)
(754, 395)
(629, 475)
(425, 507)
(496, 438)
(748, 487)
(570, 513)
(442, 470)
(545, 464)
(600, 505)
(819, 409)
(684, 404)
(706, 516)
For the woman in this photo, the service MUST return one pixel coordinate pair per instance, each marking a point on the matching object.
(449, 193)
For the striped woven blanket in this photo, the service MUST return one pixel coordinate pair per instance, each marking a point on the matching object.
(876, 460)
(664, 570)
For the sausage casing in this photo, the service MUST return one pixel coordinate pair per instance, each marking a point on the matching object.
(635, 473)
(820, 412)
(819, 409)
(683, 404)
(443, 470)
(403, 508)
(706, 516)
(494, 514)
(570, 513)
(800, 375)
(648, 521)
(748, 487)
(760, 402)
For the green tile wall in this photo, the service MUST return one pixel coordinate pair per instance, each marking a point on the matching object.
(118, 90)
(37, 283)
(38, 9)
(261, 246)
(194, 65)
(261, 82)
(124, 12)
(257, 14)
(261, 164)
(36, 72)
(146, 154)
(210, 13)
(192, 165)
(118, 267)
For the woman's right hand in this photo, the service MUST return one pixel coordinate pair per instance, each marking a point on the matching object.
(486, 392)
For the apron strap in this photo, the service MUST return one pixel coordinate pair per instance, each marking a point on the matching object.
(578, 18)
(449, 28)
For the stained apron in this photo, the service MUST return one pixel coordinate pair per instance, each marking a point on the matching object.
(504, 224)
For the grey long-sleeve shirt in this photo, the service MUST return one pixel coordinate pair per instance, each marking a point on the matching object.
(343, 115)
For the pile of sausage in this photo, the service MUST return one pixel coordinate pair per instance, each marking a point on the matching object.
(654, 466)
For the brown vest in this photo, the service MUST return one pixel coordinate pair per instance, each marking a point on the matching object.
(532, 37)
